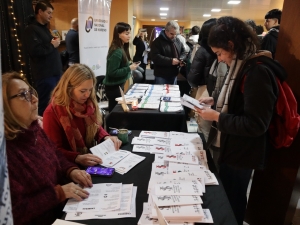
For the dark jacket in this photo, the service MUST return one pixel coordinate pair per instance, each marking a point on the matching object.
(201, 64)
(269, 41)
(139, 49)
(44, 58)
(72, 44)
(162, 55)
(244, 129)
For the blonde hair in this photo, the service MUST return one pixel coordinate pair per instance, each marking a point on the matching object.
(74, 76)
(12, 125)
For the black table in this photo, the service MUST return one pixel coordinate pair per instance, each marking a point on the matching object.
(146, 119)
(215, 198)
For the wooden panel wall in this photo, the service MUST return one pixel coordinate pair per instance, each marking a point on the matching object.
(275, 191)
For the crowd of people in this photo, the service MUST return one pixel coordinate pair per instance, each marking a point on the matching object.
(49, 128)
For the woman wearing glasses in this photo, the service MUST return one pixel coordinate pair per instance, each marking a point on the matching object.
(242, 111)
(36, 169)
(73, 120)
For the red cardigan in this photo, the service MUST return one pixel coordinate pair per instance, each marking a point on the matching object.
(36, 168)
(56, 133)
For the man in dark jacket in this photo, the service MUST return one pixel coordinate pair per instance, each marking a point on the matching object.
(72, 42)
(272, 23)
(46, 67)
(167, 53)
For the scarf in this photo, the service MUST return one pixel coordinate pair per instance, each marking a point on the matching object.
(75, 139)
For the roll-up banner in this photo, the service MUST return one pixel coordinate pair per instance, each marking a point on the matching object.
(93, 22)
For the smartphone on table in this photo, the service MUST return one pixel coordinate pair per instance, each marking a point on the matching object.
(100, 171)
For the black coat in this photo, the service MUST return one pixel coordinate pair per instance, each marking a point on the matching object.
(44, 58)
(139, 49)
(162, 55)
(269, 41)
(244, 129)
(203, 59)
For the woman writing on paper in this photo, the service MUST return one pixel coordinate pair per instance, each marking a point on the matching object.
(243, 109)
(117, 66)
(73, 120)
(37, 170)
(141, 50)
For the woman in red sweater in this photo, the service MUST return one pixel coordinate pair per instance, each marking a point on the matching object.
(37, 170)
(73, 120)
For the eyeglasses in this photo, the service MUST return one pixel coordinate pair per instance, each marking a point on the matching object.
(27, 95)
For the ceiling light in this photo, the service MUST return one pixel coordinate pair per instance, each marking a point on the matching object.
(134, 16)
(152, 19)
(216, 10)
(163, 14)
(206, 15)
(163, 18)
(164, 9)
(175, 20)
(234, 2)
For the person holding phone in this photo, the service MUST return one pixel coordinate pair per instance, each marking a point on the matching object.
(73, 120)
(39, 175)
(141, 50)
(117, 66)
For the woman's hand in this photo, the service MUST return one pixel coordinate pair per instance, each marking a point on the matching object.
(207, 100)
(115, 140)
(81, 177)
(88, 160)
(208, 114)
(133, 66)
(72, 190)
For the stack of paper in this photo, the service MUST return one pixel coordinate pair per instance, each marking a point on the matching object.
(121, 160)
(105, 201)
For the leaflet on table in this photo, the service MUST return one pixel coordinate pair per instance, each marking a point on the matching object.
(185, 145)
(155, 134)
(159, 167)
(148, 106)
(182, 135)
(179, 167)
(159, 158)
(191, 159)
(166, 108)
(209, 177)
(149, 101)
(186, 141)
(102, 197)
(128, 163)
(158, 172)
(183, 213)
(144, 98)
(170, 99)
(63, 222)
(150, 141)
(167, 200)
(172, 94)
(179, 187)
(106, 215)
(171, 87)
(156, 87)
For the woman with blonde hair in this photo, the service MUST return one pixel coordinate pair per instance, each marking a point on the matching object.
(72, 120)
(37, 170)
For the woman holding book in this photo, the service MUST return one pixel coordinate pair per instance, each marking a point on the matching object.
(117, 66)
(37, 170)
(242, 110)
(73, 120)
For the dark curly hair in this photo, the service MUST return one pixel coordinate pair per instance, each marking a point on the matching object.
(235, 30)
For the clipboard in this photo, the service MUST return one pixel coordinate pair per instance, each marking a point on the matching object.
(123, 103)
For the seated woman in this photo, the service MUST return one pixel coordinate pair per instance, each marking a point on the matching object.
(72, 120)
(36, 168)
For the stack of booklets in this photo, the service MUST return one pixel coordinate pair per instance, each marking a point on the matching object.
(178, 177)
(121, 160)
(105, 201)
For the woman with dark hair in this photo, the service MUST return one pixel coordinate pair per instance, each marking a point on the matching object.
(243, 109)
(117, 66)
(141, 50)
(37, 170)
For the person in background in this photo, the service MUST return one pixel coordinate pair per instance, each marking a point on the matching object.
(73, 120)
(117, 66)
(193, 39)
(141, 50)
(37, 170)
(251, 24)
(167, 54)
(72, 42)
(243, 110)
(272, 24)
(46, 65)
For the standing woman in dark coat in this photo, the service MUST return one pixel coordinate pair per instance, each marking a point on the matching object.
(141, 50)
(243, 110)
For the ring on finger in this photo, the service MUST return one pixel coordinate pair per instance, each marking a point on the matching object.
(76, 192)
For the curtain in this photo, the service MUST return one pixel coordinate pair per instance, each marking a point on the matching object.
(14, 57)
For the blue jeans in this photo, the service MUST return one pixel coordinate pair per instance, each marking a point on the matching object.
(163, 80)
(44, 87)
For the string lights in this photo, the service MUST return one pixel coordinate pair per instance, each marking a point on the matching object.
(14, 34)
